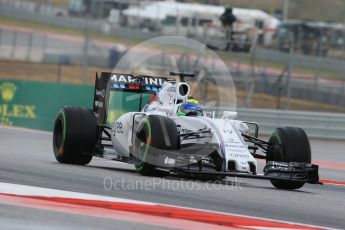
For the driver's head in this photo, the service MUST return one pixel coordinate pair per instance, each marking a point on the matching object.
(189, 109)
(193, 101)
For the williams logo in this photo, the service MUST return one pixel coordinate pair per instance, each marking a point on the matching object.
(9, 109)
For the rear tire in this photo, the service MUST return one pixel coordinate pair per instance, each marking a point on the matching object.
(151, 140)
(296, 148)
(75, 135)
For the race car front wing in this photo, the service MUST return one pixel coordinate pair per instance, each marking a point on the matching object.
(273, 170)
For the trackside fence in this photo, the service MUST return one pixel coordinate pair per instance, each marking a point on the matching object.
(316, 124)
(35, 104)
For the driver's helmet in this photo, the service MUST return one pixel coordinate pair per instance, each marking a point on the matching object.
(189, 109)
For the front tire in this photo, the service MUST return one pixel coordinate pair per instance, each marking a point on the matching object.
(295, 148)
(75, 135)
(155, 134)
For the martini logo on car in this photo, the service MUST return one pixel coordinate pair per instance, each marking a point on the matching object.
(9, 110)
(122, 78)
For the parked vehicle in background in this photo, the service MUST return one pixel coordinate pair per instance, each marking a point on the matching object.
(203, 22)
(95, 8)
(306, 37)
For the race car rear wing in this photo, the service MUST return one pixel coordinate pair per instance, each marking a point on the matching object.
(107, 82)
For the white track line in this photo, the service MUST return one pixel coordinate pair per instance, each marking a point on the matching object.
(25, 190)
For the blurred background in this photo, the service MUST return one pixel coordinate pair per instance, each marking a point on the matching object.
(282, 54)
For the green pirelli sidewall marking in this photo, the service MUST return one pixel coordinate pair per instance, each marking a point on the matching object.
(150, 135)
(275, 134)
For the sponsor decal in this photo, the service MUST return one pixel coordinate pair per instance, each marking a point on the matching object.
(172, 89)
(10, 110)
(100, 93)
(99, 104)
(239, 155)
(236, 146)
(119, 127)
(186, 131)
(171, 113)
(171, 99)
(229, 131)
(8, 91)
(124, 78)
(209, 114)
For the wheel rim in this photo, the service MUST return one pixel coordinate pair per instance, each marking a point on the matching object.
(141, 151)
(59, 135)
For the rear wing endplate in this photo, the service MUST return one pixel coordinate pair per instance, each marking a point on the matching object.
(107, 82)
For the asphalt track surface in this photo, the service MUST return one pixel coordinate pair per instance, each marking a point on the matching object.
(27, 159)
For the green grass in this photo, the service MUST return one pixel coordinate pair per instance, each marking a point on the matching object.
(38, 26)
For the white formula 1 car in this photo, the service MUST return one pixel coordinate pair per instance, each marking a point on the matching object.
(171, 134)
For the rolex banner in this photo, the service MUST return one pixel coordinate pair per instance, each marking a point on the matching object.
(35, 104)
